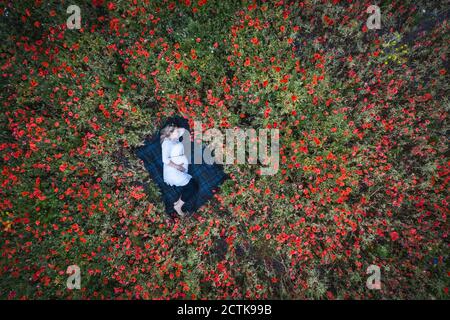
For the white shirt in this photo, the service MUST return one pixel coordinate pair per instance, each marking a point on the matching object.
(173, 150)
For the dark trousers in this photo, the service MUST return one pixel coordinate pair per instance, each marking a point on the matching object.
(189, 195)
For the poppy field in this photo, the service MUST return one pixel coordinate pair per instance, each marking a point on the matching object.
(363, 170)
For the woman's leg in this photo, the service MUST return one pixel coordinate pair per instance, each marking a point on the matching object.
(189, 196)
(186, 194)
(188, 191)
(185, 204)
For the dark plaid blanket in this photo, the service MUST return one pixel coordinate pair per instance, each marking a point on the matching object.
(209, 177)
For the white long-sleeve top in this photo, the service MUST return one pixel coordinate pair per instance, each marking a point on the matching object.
(174, 150)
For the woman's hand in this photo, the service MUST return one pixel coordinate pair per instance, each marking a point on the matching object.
(179, 167)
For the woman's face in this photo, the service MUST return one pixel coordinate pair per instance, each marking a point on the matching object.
(177, 133)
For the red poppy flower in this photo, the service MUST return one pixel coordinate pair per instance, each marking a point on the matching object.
(394, 235)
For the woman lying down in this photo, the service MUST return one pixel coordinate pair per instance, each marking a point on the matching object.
(175, 169)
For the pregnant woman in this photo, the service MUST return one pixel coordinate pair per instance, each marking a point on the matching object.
(175, 168)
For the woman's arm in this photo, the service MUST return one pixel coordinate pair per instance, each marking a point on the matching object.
(165, 148)
(176, 166)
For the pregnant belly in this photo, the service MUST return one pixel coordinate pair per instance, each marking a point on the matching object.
(174, 176)
(181, 161)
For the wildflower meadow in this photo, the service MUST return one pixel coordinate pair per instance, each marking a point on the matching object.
(356, 208)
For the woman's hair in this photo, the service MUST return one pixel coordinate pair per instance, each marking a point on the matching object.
(167, 131)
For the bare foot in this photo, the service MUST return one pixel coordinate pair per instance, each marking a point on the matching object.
(177, 206)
